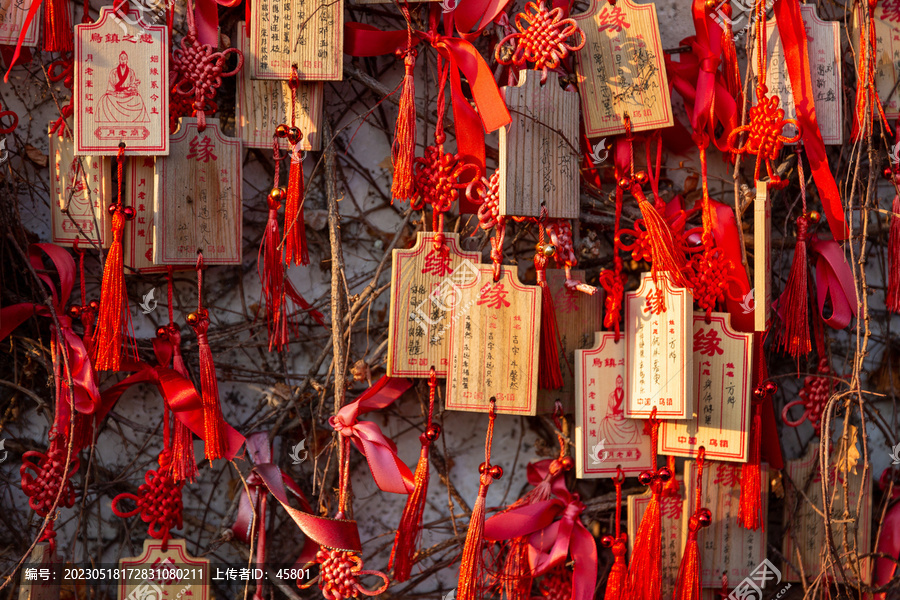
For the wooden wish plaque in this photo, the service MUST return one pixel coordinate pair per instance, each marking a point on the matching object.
(137, 237)
(824, 53)
(37, 578)
(805, 540)
(80, 190)
(12, 17)
(170, 573)
(672, 510)
(725, 546)
(305, 33)
(121, 86)
(198, 198)
(425, 285)
(722, 387)
(762, 258)
(261, 106)
(604, 437)
(578, 317)
(621, 69)
(538, 149)
(887, 55)
(658, 350)
(494, 332)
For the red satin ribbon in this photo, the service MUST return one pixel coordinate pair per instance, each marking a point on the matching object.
(796, 56)
(834, 282)
(727, 237)
(470, 17)
(390, 473)
(206, 18)
(554, 532)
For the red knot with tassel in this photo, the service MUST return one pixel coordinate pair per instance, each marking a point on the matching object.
(687, 585)
(295, 246)
(615, 582)
(549, 372)
(403, 150)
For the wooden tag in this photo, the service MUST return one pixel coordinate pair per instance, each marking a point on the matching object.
(621, 70)
(306, 33)
(824, 53)
(722, 386)
(170, 574)
(805, 539)
(198, 198)
(538, 156)
(137, 237)
(604, 438)
(80, 189)
(672, 543)
(494, 331)
(261, 106)
(578, 317)
(762, 257)
(121, 86)
(887, 57)
(658, 328)
(424, 285)
(37, 579)
(12, 17)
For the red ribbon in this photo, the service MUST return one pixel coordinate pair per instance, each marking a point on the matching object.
(834, 283)
(796, 56)
(469, 18)
(206, 18)
(727, 237)
(390, 473)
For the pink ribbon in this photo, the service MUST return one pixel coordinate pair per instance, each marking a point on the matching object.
(834, 282)
(390, 473)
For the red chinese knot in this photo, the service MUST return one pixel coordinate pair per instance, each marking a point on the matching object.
(339, 575)
(765, 139)
(199, 72)
(542, 39)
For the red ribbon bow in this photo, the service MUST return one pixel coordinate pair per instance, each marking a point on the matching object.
(834, 283)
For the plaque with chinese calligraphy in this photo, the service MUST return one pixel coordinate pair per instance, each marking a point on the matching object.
(425, 282)
(154, 573)
(80, 189)
(620, 69)
(725, 545)
(722, 386)
(121, 86)
(493, 344)
(658, 327)
(137, 237)
(604, 437)
(671, 508)
(198, 198)
(12, 17)
(887, 58)
(261, 106)
(823, 50)
(804, 540)
(762, 256)
(578, 317)
(305, 33)
(538, 157)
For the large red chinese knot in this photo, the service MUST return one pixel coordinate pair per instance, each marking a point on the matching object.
(42, 481)
(709, 278)
(815, 393)
(543, 39)
(436, 177)
(339, 575)
(199, 72)
(557, 584)
(158, 501)
(765, 139)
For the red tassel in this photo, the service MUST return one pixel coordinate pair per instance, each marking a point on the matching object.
(471, 567)
(183, 463)
(294, 227)
(58, 32)
(403, 151)
(794, 301)
(549, 374)
(893, 290)
(644, 573)
(687, 586)
(410, 530)
(110, 330)
(751, 484)
(618, 574)
(730, 64)
(662, 244)
(270, 267)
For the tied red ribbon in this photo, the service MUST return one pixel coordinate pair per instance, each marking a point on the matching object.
(390, 473)
(554, 531)
(834, 283)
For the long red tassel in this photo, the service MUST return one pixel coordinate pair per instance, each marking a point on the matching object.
(893, 290)
(615, 582)
(687, 586)
(749, 515)
(549, 373)
(403, 151)
(472, 565)
(113, 302)
(666, 256)
(294, 226)
(58, 32)
(730, 64)
(644, 573)
(213, 421)
(794, 300)
(410, 530)
(270, 267)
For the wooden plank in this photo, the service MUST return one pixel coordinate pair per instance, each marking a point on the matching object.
(578, 317)
(762, 257)
(725, 545)
(887, 56)
(198, 198)
(604, 437)
(494, 328)
(306, 33)
(153, 574)
(137, 237)
(621, 70)
(424, 284)
(658, 347)
(80, 191)
(262, 105)
(671, 508)
(722, 371)
(121, 86)
(824, 53)
(43, 564)
(12, 17)
(538, 157)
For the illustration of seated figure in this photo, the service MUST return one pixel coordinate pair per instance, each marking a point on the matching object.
(615, 428)
(122, 103)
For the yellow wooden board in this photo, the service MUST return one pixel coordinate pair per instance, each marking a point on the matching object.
(172, 573)
(137, 237)
(762, 257)
(12, 17)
